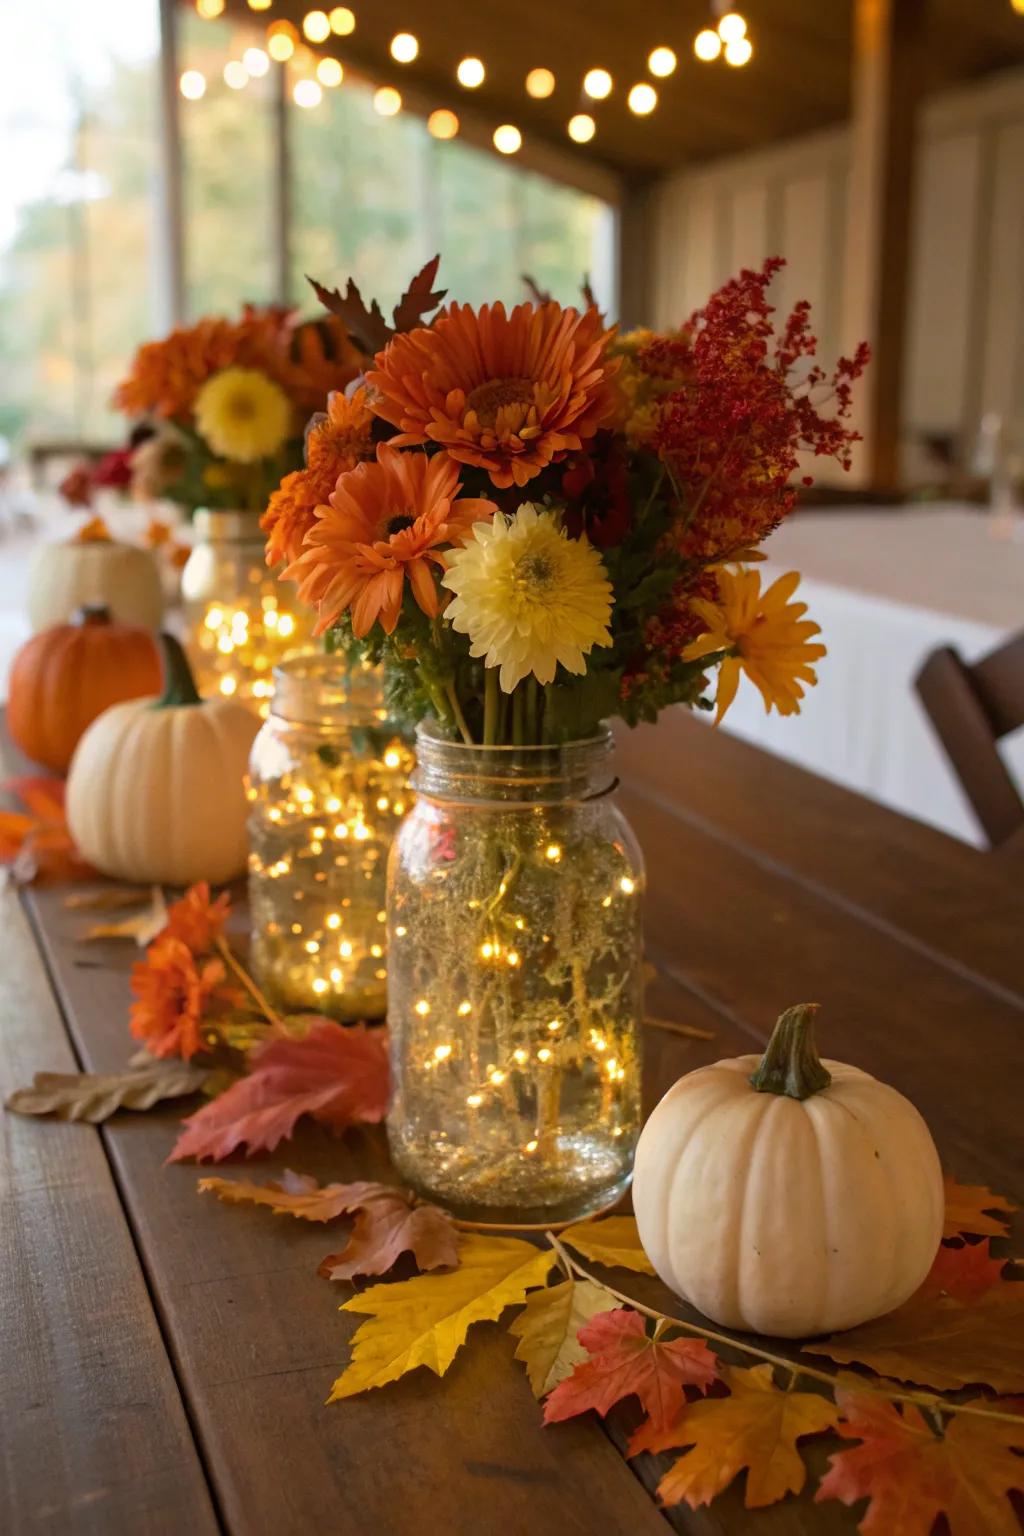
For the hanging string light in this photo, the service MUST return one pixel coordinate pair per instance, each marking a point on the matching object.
(728, 38)
(707, 45)
(306, 93)
(470, 73)
(582, 128)
(443, 124)
(209, 10)
(540, 83)
(507, 139)
(316, 26)
(387, 101)
(661, 62)
(192, 85)
(597, 84)
(404, 47)
(642, 99)
(236, 75)
(256, 62)
(342, 20)
(329, 72)
(281, 38)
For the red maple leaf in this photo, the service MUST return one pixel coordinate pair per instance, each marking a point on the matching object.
(36, 843)
(911, 1475)
(625, 1361)
(964, 1273)
(389, 1222)
(338, 1075)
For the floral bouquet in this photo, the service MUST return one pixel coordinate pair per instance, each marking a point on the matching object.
(538, 523)
(226, 402)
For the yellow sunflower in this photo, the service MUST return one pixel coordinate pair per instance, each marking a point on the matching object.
(765, 634)
(528, 596)
(243, 415)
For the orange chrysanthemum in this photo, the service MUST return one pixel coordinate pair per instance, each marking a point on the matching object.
(335, 442)
(386, 519)
(196, 920)
(509, 393)
(173, 994)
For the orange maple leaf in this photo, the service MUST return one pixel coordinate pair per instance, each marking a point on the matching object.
(336, 1074)
(36, 842)
(911, 1475)
(966, 1208)
(965, 1272)
(625, 1361)
(756, 1427)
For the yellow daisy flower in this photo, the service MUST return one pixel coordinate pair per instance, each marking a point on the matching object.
(243, 415)
(528, 596)
(766, 635)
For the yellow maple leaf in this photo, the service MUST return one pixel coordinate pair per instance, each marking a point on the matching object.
(547, 1327)
(424, 1321)
(614, 1241)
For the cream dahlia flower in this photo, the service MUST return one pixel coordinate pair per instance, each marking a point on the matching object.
(528, 596)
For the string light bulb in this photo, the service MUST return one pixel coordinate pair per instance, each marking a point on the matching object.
(342, 20)
(236, 75)
(507, 139)
(281, 41)
(707, 45)
(540, 83)
(443, 124)
(260, 5)
(329, 72)
(661, 62)
(404, 47)
(307, 94)
(316, 26)
(387, 101)
(732, 27)
(597, 83)
(582, 128)
(209, 10)
(256, 62)
(739, 52)
(192, 85)
(642, 99)
(470, 73)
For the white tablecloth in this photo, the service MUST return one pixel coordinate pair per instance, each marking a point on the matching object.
(887, 588)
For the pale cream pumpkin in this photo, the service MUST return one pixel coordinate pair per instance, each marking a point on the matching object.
(786, 1195)
(94, 573)
(156, 788)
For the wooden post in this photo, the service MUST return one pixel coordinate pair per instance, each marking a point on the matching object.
(887, 64)
(171, 244)
(635, 260)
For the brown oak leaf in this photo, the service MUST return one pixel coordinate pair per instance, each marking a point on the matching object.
(367, 327)
(757, 1427)
(969, 1207)
(95, 1096)
(390, 1222)
(625, 1361)
(419, 299)
(294, 1194)
(337, 1074)
(911, 1475)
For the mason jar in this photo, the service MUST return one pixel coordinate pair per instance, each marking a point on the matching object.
(328, 786)
(241, 620)
(515, 990)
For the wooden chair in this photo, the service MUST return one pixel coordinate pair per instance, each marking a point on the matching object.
(970, 708)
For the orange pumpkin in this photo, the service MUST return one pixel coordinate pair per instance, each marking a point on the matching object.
(64, 677)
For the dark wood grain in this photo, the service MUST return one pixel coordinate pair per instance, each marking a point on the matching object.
(93, 1435)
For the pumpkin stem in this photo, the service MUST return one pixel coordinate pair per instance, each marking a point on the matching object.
(179, 684)
(791, 1064)
(93, 613)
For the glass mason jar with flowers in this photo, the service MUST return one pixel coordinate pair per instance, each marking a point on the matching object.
(548, 526)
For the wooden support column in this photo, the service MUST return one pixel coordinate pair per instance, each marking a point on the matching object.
(170, 297)
(888, 60)
(635, 256)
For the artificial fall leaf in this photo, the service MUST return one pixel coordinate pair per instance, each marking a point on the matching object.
(538, 295)
(390, 1222)
(965, 1272)
(969, 1207)
(547, 1329)
(336, 1074)
(623, 1361)
(367, 327)
(614, 1241)
(911, 1475)
(294, 1194)
(108, 898)
(36, 843)
(424, 1321)
(142, 926)
(418, 299)
(757, 1427)
(938, 1340)
(96, 1096)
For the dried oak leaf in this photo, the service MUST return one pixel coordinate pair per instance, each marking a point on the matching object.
(547, 1330)
(938, 1340)
(94, 1097)
(367, 327)
(614, 1241)
(965, 1272)
(108, 898)
(294, 1194)
(756, 1427)
(390, 1222)
(142, 926)
(424, 1321)
(911, 1475)
(969, 1207)
(623, 1361)
(419, 299)
(336, 1074)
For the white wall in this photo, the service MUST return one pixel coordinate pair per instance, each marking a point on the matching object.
(966, 320)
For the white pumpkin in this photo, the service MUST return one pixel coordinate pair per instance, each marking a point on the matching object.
(786, 1195)
(89, 573)
(156, 787)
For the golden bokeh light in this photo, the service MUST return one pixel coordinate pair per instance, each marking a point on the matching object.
(732, 27)
(540, 83)
(597, 83)
(236, 75)
(661, 62)
(260, 5)
(404, 47)
(582, 128)
(281, 36)
(209, 9)
(470, 73)
(307, 94)
(707, 45)
(256, 62)
(192, 85)
(387, 101)
(443, 124)
(316, 26)
(643, 98)
(739, 53)
(342, 20)
(330, 72)
(507, 139)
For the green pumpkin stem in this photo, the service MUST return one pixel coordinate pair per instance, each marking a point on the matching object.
(179, 684)
(791, 1064)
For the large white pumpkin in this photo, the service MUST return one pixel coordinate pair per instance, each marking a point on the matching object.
(810, 1202)
(156, 788)
(94, 573)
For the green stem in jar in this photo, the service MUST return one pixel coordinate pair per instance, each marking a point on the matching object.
(519, 716)
(490, 706)
(532, 711)
(460, 719)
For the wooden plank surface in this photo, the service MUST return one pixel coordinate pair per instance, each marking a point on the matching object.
(93, 1435)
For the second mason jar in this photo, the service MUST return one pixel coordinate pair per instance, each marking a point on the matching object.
(515, 982)
(328, 785)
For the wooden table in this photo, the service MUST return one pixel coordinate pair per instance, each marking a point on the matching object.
(166, 1360)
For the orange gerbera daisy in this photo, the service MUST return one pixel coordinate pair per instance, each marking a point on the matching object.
(173, 994)
(509, 393)
(335, 442)
(196, 920)
(386, 519)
